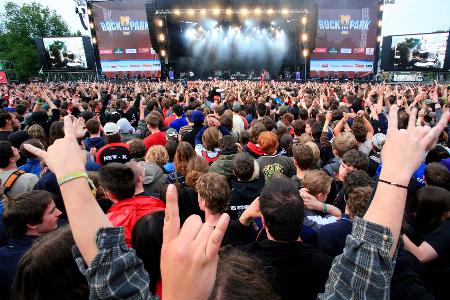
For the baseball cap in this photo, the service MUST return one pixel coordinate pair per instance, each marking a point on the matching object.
(378, 140)
(197, 116)
(171, 134)
(111, 128)
(236, 106)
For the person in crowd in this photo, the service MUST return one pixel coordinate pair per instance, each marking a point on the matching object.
(171, 148)
(26, 217)
(246, 185)
(252, 147)
(147, 239)
(197, 119)
(119, 182)
(13, 180)
(357, 193)
(37, 132)
(180, 120)
(228, 150)
(291, 260)
(195, 168)
(182, 157)
(33, 165)
(137, 149)
(154, 177)
(8, 124)
(47, 270)
(127, 132)
(316, 186)
(238, 123)
(273, 164)
(303, 161)
(94, 140)
(156, 137)
(437, 175)
(114, 151)
(213, 196)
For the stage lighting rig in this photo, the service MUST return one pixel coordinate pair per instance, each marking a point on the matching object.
(230, 11)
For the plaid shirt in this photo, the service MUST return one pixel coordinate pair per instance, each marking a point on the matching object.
(116, 272)
(363, 271)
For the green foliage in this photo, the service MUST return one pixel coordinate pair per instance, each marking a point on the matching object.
(20, 25)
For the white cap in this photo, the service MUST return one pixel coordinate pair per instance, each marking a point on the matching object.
(111, 128)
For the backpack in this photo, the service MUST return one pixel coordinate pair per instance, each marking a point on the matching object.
(7, 186)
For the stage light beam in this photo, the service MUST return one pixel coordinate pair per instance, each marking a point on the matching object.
(270, 11)
(257, 11)
(304, 20)
(305, 53)
(217, 11)
(304, 37)
(163, 53)
(162, 38)
(160, 23)
(229, 11)
(203, 12)
(244, 11)
(177, 12)
(284, 11)
(191, 12)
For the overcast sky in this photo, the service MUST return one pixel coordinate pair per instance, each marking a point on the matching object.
(403, 17)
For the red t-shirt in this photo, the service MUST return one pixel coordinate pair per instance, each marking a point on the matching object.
(158, 138)
(169, 120)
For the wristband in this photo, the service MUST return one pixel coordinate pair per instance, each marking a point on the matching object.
(325, 208)
(393, 183)
(72, 176)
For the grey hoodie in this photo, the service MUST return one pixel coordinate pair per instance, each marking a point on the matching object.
(154, 177)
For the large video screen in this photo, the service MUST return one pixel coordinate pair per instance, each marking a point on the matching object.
(419, 51)
(65, 53)
(346, 36)
(123, 39)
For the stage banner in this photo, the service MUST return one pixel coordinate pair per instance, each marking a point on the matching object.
(3, 78)
(346, 36)
(123, 39)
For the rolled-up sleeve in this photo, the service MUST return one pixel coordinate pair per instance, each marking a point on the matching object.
(116, 272)
(364, 270)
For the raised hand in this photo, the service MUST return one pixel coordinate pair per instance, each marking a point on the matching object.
(189, 256)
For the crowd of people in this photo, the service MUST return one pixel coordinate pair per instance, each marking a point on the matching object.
(224, 190)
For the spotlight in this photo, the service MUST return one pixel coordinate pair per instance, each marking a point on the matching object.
(89, 11)
(163, 53)
(94, 40)
(176, 12)
(244, 11)
(217, 11)
(379, 39)
(272, 23)
(162, 38)
(271, 28)
(380, 23)
(203, 12)
(229, 11)
(191, 12)
(257, 11)
(305, 53)
(91, 25)
(284, 11)
(381, 7)
(160, 23)
(236, 28)
(270, 11)
(304, 20)
(304, 37)
(200, 29)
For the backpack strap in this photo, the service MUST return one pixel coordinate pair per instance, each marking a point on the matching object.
(176, 175)
(7, 186)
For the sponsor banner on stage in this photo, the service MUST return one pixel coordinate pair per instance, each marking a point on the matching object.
(346, 33)
(123, 38)
(3, 78)
(131, 65)
(342, 65)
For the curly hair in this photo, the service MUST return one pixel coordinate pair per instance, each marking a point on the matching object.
(157, 154)
(303, 156)
(196, 167)
(358, 200)
(360, 131)
(184, 153)
(213, 188)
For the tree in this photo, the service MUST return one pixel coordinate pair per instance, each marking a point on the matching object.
(20, 26)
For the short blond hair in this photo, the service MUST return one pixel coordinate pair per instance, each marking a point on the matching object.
(344, 143)
(316, 182)
(157, 154)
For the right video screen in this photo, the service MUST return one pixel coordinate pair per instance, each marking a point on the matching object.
(419, 51)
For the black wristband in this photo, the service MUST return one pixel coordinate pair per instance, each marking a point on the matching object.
(393, 183)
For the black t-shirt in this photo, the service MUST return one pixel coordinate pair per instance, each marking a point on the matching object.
(437, 274)
(4, 135)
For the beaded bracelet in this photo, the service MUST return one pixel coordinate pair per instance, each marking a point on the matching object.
(72, 176)
(393, 183)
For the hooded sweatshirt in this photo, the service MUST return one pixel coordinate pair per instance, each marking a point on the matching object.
(154, 177)
(242, 195)
(96, 142)
(253, 150)
(223, 165)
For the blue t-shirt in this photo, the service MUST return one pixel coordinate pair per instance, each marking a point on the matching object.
(418, 174)
(178, 123)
